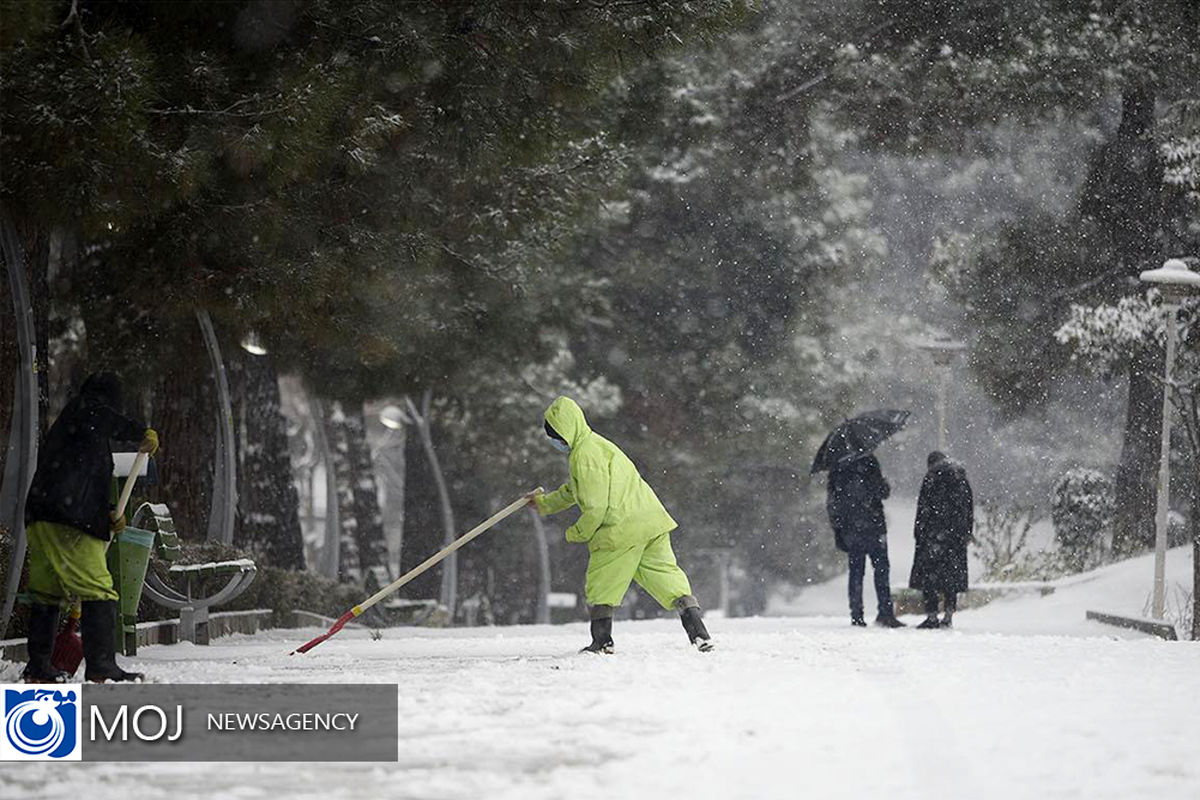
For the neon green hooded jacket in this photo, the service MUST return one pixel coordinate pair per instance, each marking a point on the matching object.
(617, 508)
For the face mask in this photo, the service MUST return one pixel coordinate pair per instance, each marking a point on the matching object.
(560, 445)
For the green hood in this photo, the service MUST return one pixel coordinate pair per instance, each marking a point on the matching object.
(566, 417)
(617, 509)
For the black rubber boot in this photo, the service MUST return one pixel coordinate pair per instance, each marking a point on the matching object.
(889, 622)
(930, 622)
(602, 641)
(98, 627)
(693, 623)
(43, 627)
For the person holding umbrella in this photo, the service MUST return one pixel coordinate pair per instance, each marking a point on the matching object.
(854, 501)
(945, 519)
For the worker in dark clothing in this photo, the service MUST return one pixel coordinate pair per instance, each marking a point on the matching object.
(69, 521)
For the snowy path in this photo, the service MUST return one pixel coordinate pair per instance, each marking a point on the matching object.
(787, 708)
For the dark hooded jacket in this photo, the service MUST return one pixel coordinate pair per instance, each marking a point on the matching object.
(73, 482)
(945, 521)
(854, 501)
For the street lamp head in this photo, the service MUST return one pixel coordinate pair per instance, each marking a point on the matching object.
(942, 348)
(253, 345)
(1175, 279)
(393, 417)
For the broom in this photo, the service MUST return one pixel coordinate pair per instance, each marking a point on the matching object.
(68, 647)
(341, 621)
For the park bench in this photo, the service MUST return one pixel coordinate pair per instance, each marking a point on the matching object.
(193, 609)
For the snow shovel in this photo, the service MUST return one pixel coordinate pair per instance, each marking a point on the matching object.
(68, 647)
(507, 511)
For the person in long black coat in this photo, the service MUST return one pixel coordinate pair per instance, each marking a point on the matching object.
(945, 521)
(854, 501)
(69, 521)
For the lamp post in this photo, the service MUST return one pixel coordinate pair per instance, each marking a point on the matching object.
(1176, 282)
(391, 456)
(943, 349)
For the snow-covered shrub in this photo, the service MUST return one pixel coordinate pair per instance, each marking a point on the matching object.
(1082, 512)
(1178, 609)
(1002, 544)
(1178, 530)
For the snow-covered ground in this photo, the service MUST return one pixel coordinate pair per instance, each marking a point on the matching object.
(1023, 699)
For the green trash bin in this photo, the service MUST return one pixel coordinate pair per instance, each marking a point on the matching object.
(128, 557)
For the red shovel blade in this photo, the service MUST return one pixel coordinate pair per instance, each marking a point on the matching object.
(337, 626)
(68, 648)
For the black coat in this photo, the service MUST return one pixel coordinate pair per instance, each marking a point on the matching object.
(854, 501)
(73, 482)
(945, 520)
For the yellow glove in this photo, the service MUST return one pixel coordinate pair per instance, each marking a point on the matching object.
(149, 444)
(117, 524)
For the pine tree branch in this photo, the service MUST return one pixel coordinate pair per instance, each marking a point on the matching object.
(73, 20)
(228, 111)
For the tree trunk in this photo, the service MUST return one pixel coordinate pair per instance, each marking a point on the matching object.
(390, 461)
(331, 541)
(38, 242)
(372, 545)
(268, 503)
(363, 550)
(449, 590)
(1195, 584)
(1196, 558)
(1136, 478)
(1123, 199)
(9, 359)
(22, 441)
(339, 471)
(184, 413)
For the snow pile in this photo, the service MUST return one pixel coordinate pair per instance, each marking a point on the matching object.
(786, 708)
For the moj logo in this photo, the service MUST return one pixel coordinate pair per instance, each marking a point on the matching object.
(40, 724)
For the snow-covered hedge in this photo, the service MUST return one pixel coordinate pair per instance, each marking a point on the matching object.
(1082, 512)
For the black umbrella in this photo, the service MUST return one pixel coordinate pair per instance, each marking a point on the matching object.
(857, 437)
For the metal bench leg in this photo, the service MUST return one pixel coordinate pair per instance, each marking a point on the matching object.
(202, 625)
(193, 624)
(187, 624)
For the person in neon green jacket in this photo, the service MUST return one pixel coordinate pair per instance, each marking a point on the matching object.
(623, 523)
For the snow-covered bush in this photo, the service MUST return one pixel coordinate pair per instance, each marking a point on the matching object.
(1178, 530)
(1002, 544)
(1082, 512)
(1179, 609)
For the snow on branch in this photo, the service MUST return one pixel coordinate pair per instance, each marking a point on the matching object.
(1106, 336)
